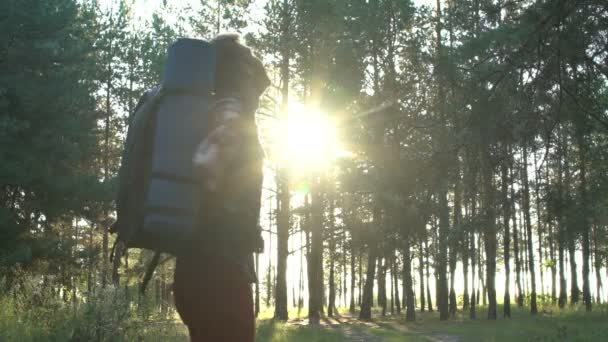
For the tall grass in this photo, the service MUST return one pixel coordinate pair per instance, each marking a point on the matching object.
(31, 313)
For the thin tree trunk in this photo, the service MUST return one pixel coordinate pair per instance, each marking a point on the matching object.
(421, 275)
(516, 250)
(571, 235)
(465, 271)
(281, 312)
(582, 148)
(506, 207)
(526, 204)
(490, 240)
(332, 264)
(395, 273)
(454, 244)
(552, 250)
(257, 285)
(539, 227)
(472, 313)
(353, 272)
(428, 274)
(360, 296)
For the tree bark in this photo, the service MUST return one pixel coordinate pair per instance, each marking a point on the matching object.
(454, 244)
(539, 228)
(506, 208)
(526, 207)
(428, 275)
(281, 312)
(472, 313)
(410, 304)
(395, 272)
(315, 300)
(367, 298)
(585, 226)
(421, 275)
(382, 302)
(331, 304)
(353, 281)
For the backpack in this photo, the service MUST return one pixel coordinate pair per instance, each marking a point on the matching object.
(160, 190)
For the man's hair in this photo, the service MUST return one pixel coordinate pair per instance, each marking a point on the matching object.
(238, 72)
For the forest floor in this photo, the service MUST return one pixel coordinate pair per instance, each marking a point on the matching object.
(110, 320)
(550, 324)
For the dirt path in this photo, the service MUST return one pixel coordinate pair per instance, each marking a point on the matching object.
(356, 330)
(351, 328)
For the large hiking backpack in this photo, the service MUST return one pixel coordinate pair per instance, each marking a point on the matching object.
(159, 195)
(157, 202)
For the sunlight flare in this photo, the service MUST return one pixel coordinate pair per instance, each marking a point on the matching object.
(307, 139)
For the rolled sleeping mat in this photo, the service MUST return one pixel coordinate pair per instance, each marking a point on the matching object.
(182, 122)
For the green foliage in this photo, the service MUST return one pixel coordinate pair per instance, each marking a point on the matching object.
(34, 313)
(47, 122)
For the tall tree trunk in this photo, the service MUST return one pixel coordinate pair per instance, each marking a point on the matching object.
(344, 270)
(367, 298)
(269, 282)
(506, 209)
(597, 264)
(395, 273)
(315, 265)
(561, 237)
(353, 281)
(444, 214)
(281, 312)
(106, 173)
(360, 296)
(382, 302)
(526, 205)
(410, 304)
(465, 271)
(582, 151)
(283, 195)
(301, 280)
(257, 285)
(490, 241)
(472, 313)
(539, 228)
(552, 250)
(571, 234)
(421, 275)
(516, 250)
(454, 244)
(331, 304)
(391, 266)
(428, 275)
(481, 290)
(332, 286)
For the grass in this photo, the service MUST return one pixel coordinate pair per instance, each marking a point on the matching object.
(110, 318)
(552, 324)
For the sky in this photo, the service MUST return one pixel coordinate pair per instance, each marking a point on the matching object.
(145, 8)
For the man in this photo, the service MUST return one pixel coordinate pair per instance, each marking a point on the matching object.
(212, 285)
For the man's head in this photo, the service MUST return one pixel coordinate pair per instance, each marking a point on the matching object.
(238, 73)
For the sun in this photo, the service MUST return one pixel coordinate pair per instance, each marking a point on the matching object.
(307, 139)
